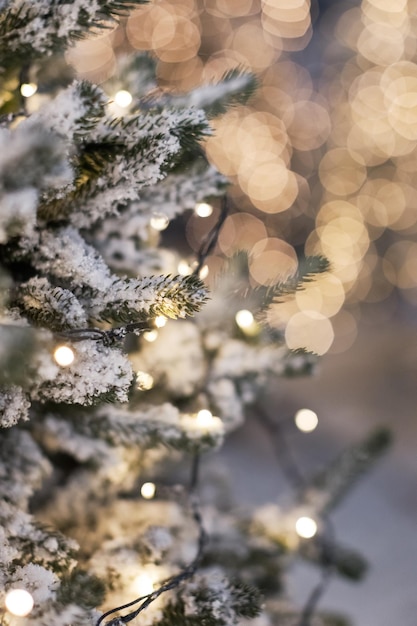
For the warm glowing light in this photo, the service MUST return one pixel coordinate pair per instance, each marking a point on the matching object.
(28, 89)
(306, 420)
(204, 417)
(202, 209)
(123, 98)
(147, 490)
(160, 321)
(204, 272)
(244, 318)
(150, 335)
(144, 381)
(64, 356)
(305, 527)
(184, 268)
(143, 585)
(309, 330)
(19, 602)
(159, 221)
(205, 421)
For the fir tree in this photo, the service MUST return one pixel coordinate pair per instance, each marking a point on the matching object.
(90, 407)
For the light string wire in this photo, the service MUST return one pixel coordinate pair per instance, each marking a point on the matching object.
(326, 541)
(210, 241)
(186, 573)
(109, 337)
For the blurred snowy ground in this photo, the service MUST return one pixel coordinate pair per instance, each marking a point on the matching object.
(373, 383)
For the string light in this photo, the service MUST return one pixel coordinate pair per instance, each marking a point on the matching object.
(159, 221)
(184, 268)
(144, 381)
(147, 490)
(143, 584)
(64, 356)
(306, 420)
(203, 209)
(19, 602)
(123, 98)
(28, 89)
(204, 272)
(305, 527)
(160, 321)
(150, 335)
(246, 322)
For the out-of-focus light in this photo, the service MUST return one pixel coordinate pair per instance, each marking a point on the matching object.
(28, 89)
(150, 335)
(204, 417)
(306, 420)
(203, 209)
(204, 272)
(184, 268)
(305, 527)
(244, 318)
(147, 491)
(144, 381)
(159, 221)
(160, 321)
(64, 356)
(143, 584)
(19, 602)
(123, 98)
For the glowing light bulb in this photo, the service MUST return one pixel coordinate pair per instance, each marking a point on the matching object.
(305, 527)
(159, 221)
(144, 381)
(204, 272)
(244, 318)
(184, 268)
(19, 602)
(202, 209)
(143, 584)
(147, 491)
(150, 335)
(306, 420)
(64, 356)
(246, 322)
(204, 417)
(160, 321)
(123, 98)
(28, 89)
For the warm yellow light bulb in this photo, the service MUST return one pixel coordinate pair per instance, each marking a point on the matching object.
(19, 602)
(147, 491)
(144, 381)
(159, 221)
(184, 268)
(305, 527)
(244, 318)
(28, 89)
(160, 321)
(306, 420)
(204, 272)
(64, 356)
(203, 209)
(204, 417)
(123, 98)
(150, 335)
(143, 585)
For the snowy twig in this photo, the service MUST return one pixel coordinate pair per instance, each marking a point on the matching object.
(184, 574)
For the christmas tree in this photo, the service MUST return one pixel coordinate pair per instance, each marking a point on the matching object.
(120, 370)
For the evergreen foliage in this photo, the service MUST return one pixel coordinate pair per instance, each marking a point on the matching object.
(82, 269)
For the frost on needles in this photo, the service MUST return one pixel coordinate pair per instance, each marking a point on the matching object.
(81, 268)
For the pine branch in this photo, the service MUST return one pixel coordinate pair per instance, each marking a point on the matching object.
(41, 27)
(330, 486)
(308, 268)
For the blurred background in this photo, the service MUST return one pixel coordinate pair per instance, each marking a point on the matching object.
(322, 160)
